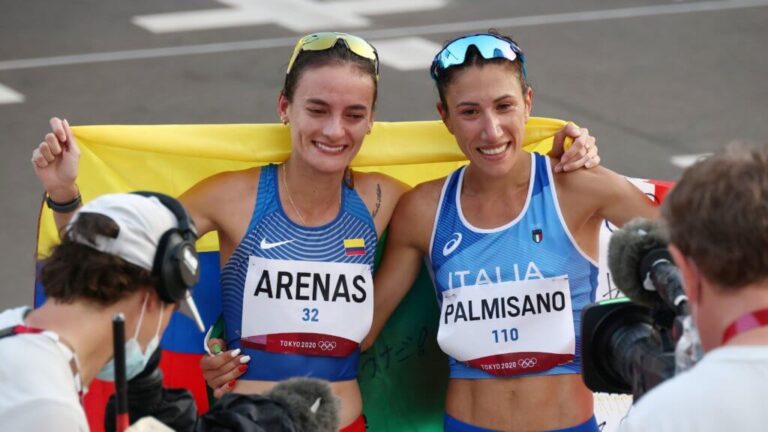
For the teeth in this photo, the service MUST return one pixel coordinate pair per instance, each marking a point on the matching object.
(494, 150)
(326, 148)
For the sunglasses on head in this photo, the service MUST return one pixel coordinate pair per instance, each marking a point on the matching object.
(489, 46)
(326, 40)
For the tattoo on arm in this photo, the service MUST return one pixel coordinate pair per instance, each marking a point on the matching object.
(378, 201)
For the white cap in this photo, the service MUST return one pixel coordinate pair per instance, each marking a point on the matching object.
(142, 221)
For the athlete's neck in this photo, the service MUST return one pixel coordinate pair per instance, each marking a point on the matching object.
(515, 181)
(313, 196)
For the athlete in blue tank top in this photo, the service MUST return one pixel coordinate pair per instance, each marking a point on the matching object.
(511, 249)
(289, 291)
(533, 247)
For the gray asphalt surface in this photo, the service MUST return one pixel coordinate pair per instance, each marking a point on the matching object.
(651, 79)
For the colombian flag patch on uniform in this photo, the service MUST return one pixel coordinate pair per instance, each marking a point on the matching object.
(353, 247)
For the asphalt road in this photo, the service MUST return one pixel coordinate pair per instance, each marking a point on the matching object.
(653, 80)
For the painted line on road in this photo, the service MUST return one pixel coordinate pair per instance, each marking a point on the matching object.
(684, 161)
(9, 95)
(411, 53)
(297, 15)
(450, 28)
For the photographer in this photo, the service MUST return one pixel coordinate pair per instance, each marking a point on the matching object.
(123, 253)
(718, 222)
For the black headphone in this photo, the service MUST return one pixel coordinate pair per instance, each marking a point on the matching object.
(176, 264)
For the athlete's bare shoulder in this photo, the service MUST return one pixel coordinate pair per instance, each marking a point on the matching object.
(380, 193)
(584, 181)
(224, 185)
(604, 194)
(223, 200)
(365, 182)
(414, 216)
(428, 193)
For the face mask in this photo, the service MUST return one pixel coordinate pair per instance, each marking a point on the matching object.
(135, 360)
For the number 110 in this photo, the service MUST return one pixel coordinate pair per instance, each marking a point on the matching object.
(506, 335)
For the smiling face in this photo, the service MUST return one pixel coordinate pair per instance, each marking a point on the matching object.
(330, 113)
(486, 110)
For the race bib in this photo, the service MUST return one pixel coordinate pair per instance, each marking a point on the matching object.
(509, 328)
(308, 307)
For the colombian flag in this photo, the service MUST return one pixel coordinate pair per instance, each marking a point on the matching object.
(353, 247)
(404, 374)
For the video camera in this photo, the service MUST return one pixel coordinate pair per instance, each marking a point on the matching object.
(295, 405)
(628, 345)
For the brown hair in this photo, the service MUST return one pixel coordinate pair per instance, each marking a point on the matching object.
(75, 271)
(718, 215)
(475, 59)
(339, 54)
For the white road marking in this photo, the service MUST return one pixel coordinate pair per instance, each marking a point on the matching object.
(684, 161)
(9, 95)
(449, 28)
(411, 53)
(296, 15)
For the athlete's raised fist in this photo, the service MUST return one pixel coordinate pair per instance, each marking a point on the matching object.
(56, 161)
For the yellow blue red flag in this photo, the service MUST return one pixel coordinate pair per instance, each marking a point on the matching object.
(354, 246)
(401, 384)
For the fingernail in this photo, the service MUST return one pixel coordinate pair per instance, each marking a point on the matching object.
(231, 384)
(245, 359)
(216, 349)
(235, 352)
(242, 368)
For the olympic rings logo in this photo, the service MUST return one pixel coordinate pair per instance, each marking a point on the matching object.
(327, 345)
(527, 362)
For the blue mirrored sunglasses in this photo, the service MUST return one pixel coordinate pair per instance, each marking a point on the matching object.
(488, 45)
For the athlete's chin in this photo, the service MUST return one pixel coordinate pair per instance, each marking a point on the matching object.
(494, 168)
(332, 162)
(332, 166)
(496, 165)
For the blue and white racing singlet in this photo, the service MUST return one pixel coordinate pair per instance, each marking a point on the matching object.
(510, 297)
(297, 299)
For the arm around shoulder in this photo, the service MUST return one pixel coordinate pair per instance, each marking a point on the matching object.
(624, 201)
(613, 196)
(407, 243)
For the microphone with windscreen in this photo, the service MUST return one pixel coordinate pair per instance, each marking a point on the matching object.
(642, 267)
(628, 345)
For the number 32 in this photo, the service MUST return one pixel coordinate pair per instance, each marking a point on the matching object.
(310, 314)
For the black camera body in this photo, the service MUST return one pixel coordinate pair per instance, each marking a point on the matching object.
(626, 347)
(297, 404)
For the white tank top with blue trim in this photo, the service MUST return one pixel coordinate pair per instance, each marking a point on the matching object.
(510, 297)
(297, 299)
